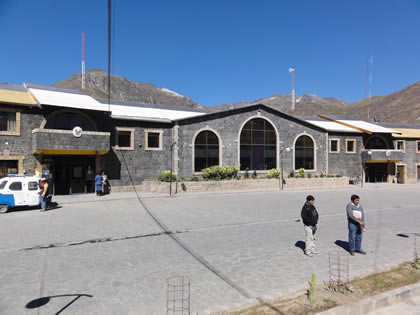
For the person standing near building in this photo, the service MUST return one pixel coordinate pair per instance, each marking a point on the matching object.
(356, 225)
(310, 220)
(43, 194)
(98, 184)
(105, 184)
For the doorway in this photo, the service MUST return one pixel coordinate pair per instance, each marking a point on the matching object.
(376, 173)
(71, 174)
(400, 175)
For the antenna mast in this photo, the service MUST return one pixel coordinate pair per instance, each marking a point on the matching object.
(292, 71)
(83, 62)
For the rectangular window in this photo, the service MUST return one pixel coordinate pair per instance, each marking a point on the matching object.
(401, 145)
(418, 146)
(334, 146)
(350, 146)
(8, 167)
(125, 138)
(153, 139)
(8, 121)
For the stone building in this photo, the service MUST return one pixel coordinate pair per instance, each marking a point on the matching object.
(70, 137)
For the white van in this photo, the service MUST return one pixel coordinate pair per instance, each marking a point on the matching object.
(18, 191)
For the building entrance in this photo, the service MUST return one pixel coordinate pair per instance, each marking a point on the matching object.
(376, 172)
(70, 174)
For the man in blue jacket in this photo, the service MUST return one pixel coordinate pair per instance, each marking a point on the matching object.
(310, 220)
(356, 225)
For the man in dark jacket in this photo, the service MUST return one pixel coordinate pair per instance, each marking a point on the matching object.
(310, 220)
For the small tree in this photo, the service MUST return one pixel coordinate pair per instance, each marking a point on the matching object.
(301, 172)
(273, 173)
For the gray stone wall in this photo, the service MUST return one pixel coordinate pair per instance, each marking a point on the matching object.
(124, 166)
(228, 126)
(410, 159)
(342, 163)
(22, 145)
(65, 140)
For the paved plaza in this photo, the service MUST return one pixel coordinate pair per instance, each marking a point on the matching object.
(108, 255)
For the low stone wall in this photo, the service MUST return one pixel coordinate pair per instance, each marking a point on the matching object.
(232, 185)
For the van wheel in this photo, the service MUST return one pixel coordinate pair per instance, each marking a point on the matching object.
(4, 209)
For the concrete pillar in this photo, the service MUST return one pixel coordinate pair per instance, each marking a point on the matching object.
(175, 139)
(98, 165)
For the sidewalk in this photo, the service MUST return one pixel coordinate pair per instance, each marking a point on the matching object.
(80, 198)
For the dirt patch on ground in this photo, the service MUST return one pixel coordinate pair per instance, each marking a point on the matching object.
(325, 297)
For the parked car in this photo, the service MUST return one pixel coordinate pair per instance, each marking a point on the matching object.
(18, 191)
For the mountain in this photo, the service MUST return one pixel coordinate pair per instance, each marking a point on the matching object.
(125, 90)
(400, 107)
(306, 105)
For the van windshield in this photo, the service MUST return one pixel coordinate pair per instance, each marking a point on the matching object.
(3, 183)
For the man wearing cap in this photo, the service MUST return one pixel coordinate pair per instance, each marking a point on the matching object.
(43, 194)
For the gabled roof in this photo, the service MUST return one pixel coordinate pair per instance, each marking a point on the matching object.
(233, 111)
(15, 94)
(360, 125)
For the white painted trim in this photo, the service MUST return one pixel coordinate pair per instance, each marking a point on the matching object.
(146, 143)
(238, 139)
(315, 151)
(354, 147)
(338, 145)
(193, 147)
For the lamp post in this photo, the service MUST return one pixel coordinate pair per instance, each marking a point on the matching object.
(287, 148)
(170, 175)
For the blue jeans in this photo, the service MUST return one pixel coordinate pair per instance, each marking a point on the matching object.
(355, 237)
(43, 201)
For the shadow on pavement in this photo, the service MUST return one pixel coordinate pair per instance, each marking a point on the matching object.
(301, 245)
(44, 300)
(343, 244)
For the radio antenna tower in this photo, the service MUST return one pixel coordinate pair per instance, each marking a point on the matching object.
(83, 62)
(292, 71)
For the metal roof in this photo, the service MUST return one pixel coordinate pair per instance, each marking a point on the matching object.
(151, 112)
(67, 98)
(361, 125)
(330, 125)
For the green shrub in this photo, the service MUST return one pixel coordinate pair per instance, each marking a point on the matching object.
(309, 175)
(316, 176)
(292, 174)
(273, 173)
(338, 175)
(246, 173)
(322, 175)
(300, 173)
(195, 179)
(165, 176)
(217, 172)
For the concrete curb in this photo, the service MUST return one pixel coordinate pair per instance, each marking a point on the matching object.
(376, 302)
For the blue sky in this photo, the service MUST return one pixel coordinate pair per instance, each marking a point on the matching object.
(218, 51)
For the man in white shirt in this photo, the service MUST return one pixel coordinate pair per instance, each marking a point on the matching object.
(356, 225)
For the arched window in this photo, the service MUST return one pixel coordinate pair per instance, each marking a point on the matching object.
(206, 150)
(304, 153)
(376, 142)
(258, 145)
(67, 121)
